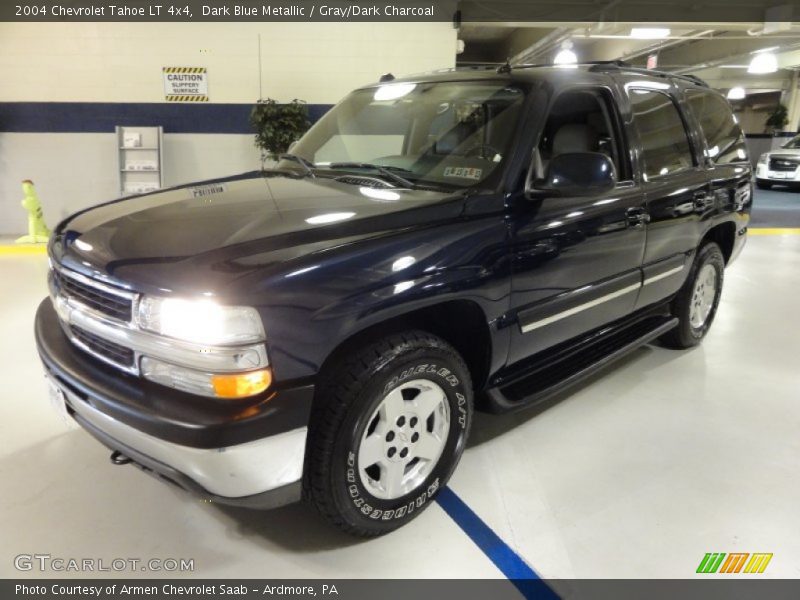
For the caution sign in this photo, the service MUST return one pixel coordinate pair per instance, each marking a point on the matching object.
(185, 84)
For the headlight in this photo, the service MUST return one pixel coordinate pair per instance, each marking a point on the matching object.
(200, 321)
(762, 160)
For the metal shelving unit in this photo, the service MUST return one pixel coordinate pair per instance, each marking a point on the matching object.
(140, 165)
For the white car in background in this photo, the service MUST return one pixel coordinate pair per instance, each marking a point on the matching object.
(781, 166)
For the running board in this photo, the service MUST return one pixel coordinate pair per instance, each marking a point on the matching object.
(553, 375)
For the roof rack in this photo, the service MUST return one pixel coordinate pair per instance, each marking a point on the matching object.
(618, 65)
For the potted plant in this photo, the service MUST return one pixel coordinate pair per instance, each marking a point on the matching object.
(777, 120)
(278, 125)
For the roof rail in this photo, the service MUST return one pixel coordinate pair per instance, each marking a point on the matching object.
(618, 65)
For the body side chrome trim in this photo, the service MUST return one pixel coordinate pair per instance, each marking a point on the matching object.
(580, 308)
(663, 275)
(233, 472)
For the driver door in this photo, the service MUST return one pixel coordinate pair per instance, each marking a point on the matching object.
(576, 261)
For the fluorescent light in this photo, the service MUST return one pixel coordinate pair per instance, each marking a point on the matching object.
(649, 33)
(393, 91)
(762, 63)
(403, 263)
(736, 93)
(383, 195)
(330, 218)
(565, 57)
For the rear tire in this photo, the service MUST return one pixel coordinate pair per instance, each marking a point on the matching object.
(697, 301)
(389, 426)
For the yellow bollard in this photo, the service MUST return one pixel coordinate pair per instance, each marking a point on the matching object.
(38, 233)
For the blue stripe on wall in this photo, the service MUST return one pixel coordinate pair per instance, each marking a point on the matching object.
(102, 117)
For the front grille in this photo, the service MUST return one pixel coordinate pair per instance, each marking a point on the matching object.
(779, 163)
(119, 355)
(105, 302)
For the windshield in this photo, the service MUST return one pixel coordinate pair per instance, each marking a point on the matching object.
(452, 133)
(793, 143)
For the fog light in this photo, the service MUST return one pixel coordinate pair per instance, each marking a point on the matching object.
(241, 385)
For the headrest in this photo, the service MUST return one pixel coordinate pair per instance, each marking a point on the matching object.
(575, 137)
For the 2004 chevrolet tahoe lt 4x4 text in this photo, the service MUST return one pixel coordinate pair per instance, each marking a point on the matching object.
(325, 328)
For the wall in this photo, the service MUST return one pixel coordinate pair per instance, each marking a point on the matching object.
(120, 63)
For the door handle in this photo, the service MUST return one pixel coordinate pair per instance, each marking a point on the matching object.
(637, 216)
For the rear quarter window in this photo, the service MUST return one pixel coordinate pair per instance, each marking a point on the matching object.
(725, 142)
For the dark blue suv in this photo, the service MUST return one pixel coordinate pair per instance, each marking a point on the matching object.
(459, 240)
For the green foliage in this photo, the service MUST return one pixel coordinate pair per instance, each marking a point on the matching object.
(278, 125)
(778, 119)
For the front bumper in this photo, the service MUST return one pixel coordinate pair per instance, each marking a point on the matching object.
(247, 453)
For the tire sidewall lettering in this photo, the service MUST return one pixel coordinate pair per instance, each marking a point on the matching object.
(405, 507)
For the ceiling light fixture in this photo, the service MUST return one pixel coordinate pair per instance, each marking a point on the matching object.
(566, 56)
(736, 93)
(649, 33)
(762, 63)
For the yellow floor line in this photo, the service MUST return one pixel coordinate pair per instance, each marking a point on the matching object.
(774, 231)
(23, 250)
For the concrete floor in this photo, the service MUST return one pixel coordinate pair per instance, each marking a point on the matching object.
(778, 207)
(663, 457)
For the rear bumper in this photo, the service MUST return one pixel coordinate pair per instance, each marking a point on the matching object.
(247, 453)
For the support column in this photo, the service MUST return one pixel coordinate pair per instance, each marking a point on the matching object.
(794, 103)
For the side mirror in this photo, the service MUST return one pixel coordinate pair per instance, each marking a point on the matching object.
(575, 174)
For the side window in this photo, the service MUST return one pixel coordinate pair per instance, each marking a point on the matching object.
(724, 138)
(583, 121)
(662, 133)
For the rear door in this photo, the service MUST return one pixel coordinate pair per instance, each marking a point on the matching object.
(675, 184)
(725, 153)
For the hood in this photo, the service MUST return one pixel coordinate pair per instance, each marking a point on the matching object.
(203, 236)
(792, 152)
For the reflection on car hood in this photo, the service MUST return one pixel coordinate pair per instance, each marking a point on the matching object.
(221, 225)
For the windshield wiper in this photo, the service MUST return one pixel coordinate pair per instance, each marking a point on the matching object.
(385, 171)
(307, 165)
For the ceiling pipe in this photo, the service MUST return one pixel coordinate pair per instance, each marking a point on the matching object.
(542, 46)
(710, 64)
(658, 47)
(554, 39)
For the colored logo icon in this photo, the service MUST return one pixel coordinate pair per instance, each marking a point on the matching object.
(735, 562)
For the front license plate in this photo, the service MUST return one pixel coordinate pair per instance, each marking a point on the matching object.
(779, 175)
(58, 401)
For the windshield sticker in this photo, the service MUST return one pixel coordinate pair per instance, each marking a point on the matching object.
(463, 172)
(202, 191)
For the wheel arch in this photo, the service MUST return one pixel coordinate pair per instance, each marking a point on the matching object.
(461, 323)
(724, 235)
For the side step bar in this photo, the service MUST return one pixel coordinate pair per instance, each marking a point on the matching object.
(549, 377)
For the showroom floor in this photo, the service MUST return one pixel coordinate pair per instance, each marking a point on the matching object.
(660, 459)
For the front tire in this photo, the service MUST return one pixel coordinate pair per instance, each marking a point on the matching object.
(697, 301)
(763, 185)
(389, 426)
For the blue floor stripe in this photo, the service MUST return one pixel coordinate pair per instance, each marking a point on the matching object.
(501, 554)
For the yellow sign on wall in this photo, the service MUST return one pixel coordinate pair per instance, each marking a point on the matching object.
(185, 84)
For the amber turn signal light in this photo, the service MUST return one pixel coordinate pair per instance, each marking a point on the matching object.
(241, 385)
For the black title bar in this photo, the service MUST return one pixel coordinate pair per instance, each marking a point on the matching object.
(455, 11)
